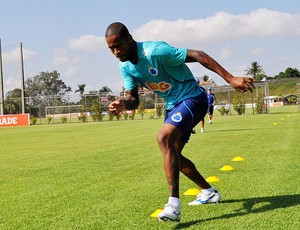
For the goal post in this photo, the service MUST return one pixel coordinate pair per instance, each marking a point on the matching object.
(69, 111)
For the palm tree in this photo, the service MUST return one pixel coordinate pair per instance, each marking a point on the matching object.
(254, 70)
(80, 89)
(104, 91)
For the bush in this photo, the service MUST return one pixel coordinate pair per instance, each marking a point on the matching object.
(223, 111)
(82, 117)
(239, 105)
(141, 109)
(125, 115)
(131, 116)
(112, 115)
(97, 109)
(160, 110)
(152, 115)
(63, 119)
(49, 119)
(260, 106)
(97, 117)
(33, 120)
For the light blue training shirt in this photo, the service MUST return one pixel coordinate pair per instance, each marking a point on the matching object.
(161, 68)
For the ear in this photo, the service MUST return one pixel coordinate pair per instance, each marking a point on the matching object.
(130, 39)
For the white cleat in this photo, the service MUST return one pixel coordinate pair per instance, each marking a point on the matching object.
(213, 197)
(170, 213)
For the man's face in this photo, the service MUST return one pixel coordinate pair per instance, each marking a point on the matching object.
(119, 46)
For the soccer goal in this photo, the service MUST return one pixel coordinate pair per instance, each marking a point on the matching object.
(57, 112)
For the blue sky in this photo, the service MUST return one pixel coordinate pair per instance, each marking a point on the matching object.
(68, 35)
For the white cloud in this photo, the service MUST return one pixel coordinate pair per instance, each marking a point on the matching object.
(61, 57)
(13, 82)
(87, 43)
(258, 51)
(226, 53)
(70, 71)
(14, 55)
(282, 59)
(221, 27)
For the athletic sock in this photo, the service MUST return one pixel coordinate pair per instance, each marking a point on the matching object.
(174, 201)
(207, 191)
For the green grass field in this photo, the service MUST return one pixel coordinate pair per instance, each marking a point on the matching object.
(109, 175)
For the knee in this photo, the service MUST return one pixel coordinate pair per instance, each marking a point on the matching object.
(163, 138)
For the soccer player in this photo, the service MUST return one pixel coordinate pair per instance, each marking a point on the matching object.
(162, 69)
(211, 103)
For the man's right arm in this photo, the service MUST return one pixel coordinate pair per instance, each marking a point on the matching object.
(129, 102)
(131, 99)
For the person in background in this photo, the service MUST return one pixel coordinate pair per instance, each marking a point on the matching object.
(211, 98)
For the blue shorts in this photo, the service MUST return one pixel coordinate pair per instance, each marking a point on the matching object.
(210, 110)
(187, 114)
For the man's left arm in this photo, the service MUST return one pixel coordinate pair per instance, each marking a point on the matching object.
(241, 84)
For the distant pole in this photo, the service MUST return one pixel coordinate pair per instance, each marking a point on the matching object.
(22, 80)
(1, 84)
(229, 99)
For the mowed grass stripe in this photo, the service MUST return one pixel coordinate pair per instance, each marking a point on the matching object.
(109, 175)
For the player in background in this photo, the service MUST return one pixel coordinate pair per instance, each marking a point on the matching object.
(211, 98)
(162, 69)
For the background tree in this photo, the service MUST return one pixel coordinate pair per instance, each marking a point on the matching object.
(141, 109)
(254, 70)
(12, 104)
(205, 78)
(80, 89)
(288, 73)
(46, 89)
(104, 91)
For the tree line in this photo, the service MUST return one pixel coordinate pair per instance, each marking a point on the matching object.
(48, 89)
(256, 71)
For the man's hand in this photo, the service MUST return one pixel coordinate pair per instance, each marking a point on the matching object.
(242, 84)
(117, 106)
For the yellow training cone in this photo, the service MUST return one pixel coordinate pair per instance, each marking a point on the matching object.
(275, 123)
(238, 158)
(192, 192)
(155, 214)
(212, 179)
(282, 119)
(227, 168)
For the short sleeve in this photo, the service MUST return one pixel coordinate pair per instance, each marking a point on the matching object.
(129, 81)
(169, 55)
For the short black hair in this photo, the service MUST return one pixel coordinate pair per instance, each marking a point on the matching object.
(117, 28)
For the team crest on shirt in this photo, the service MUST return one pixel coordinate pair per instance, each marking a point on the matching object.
(176, 117)
(152, 71)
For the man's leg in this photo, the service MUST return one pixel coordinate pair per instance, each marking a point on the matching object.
(202, 125)
(208, 193)
(188, 168)
(166, 138)
(210, 114)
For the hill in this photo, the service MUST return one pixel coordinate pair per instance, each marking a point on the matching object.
(284, 86)
(280, 87)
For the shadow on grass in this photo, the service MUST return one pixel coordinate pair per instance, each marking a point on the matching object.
(249, 205)
(229, 130)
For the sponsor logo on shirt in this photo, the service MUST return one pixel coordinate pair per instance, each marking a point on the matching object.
(176, 117)
(161, 86)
